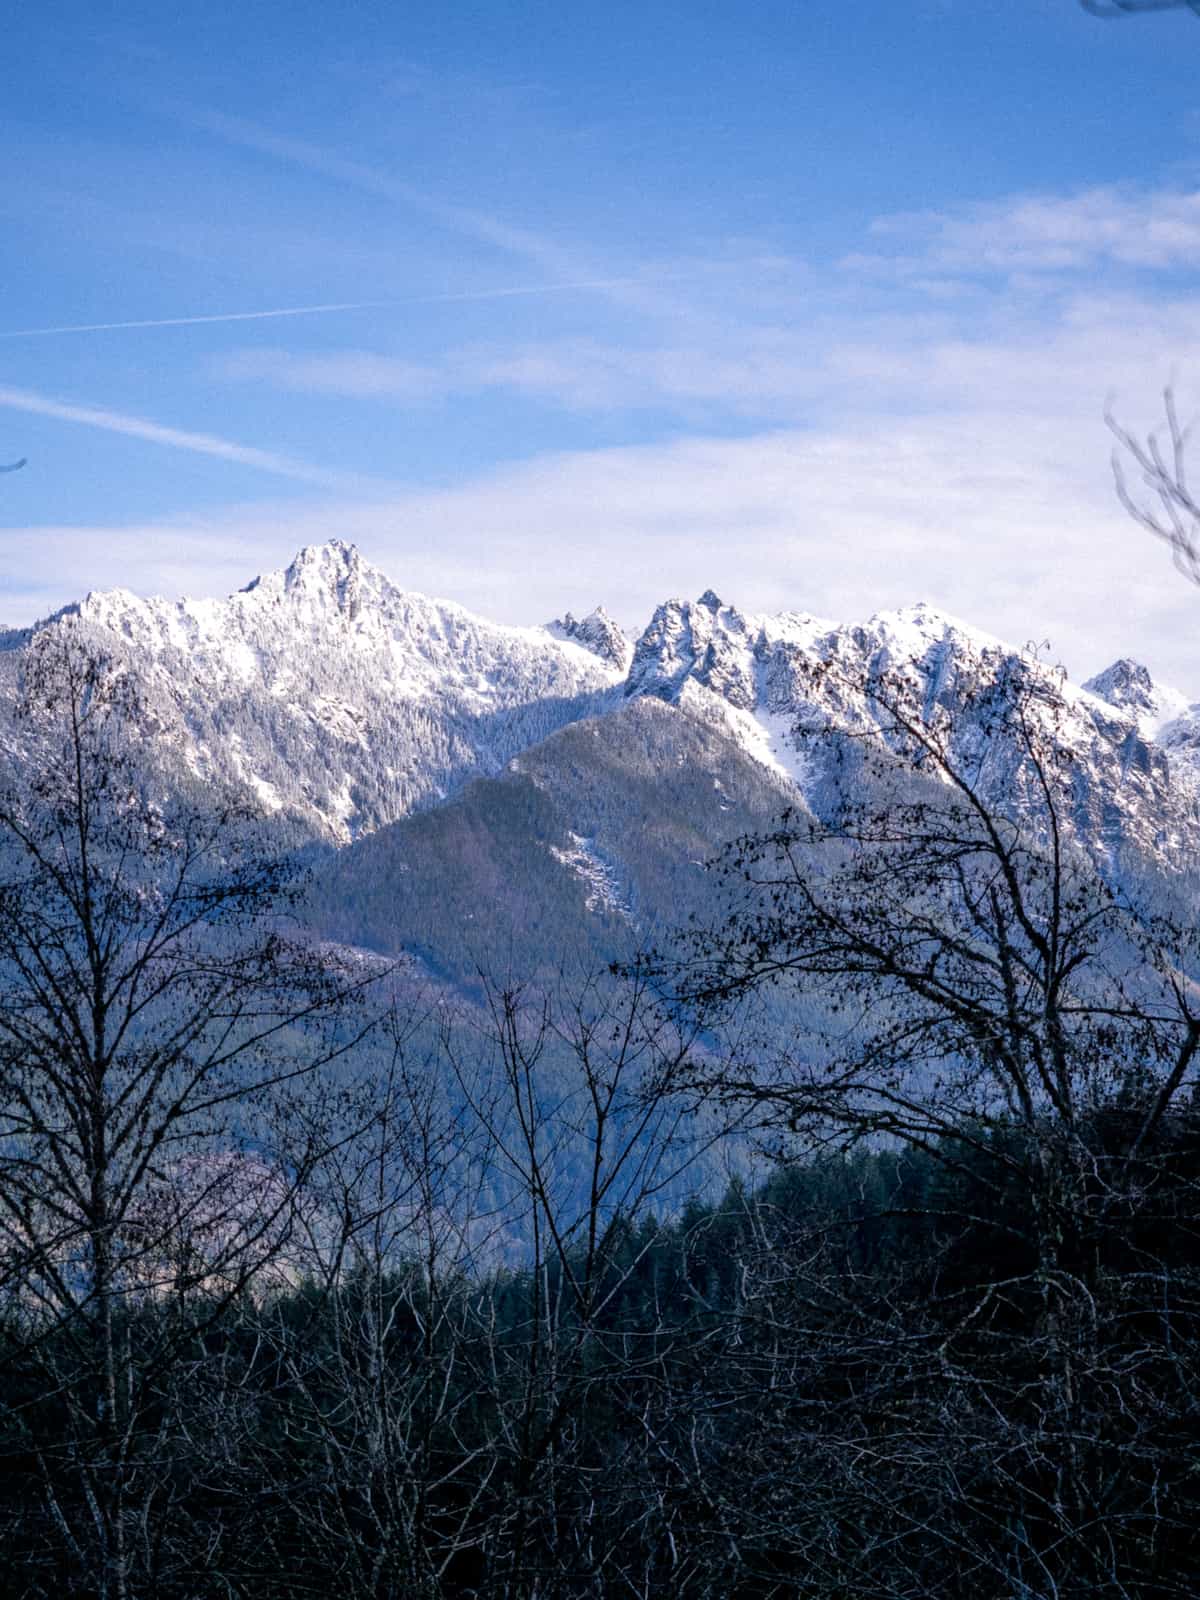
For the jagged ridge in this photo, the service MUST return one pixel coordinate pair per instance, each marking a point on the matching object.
(343, 702)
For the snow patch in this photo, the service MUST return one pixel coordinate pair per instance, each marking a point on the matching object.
(778, 749)
(603, 890)
(268, 794)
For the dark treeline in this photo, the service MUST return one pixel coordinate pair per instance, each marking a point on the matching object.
(841, 1383)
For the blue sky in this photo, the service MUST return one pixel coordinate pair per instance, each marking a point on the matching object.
(818, 303)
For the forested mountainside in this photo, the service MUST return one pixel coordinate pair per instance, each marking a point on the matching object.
(588, 844)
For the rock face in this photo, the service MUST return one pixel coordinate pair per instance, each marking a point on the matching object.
(1128, 686)
(598, 633)
(342, 703)
(1162, 714)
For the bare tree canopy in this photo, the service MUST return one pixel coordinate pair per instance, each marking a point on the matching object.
(1160, 499)
(153, 1012)
(1131, 8)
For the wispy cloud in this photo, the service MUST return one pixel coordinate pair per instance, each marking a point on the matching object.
(359, 374)
(756, 372)
(205, 444)
(1127, 226)
(1065, 358)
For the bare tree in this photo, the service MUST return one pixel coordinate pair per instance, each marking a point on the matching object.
(1133, 8)
(388, 1365)
(576, 1084)
(151, 1007)
(978, 992)
(473, 1406)
(1151, 477)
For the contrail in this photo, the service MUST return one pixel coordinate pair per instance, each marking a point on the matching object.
(540, 252)
(313, 311)
(205, 444)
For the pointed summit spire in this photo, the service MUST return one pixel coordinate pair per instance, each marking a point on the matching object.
(598, 633)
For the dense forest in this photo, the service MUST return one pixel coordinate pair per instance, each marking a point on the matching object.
(845, 1383)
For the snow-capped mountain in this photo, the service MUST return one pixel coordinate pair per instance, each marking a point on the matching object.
(338, 699)
(342, 703)
(1128, 686)
(1163, 716)
(790, 687)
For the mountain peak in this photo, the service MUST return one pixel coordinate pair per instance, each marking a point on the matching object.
(329, 552)
(334, 564)
(1126, 684)
(329, 576)
(926, 617)
(598, 633)
(1129, 686)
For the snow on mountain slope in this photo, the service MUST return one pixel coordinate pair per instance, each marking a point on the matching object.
(1128, 686)
(790, 687)
(1180, 740)
(1163, 715)
(598, 633)
(338, 702)
(338, 699)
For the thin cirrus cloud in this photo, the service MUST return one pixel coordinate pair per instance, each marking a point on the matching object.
(583, 375)
(205, 444)
(766, 373)
(1061, 363)
(962, 316)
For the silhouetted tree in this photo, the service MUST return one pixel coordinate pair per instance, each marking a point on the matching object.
(1151, 476)
(980, 991)
(152, 1007)
(1131, 8)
